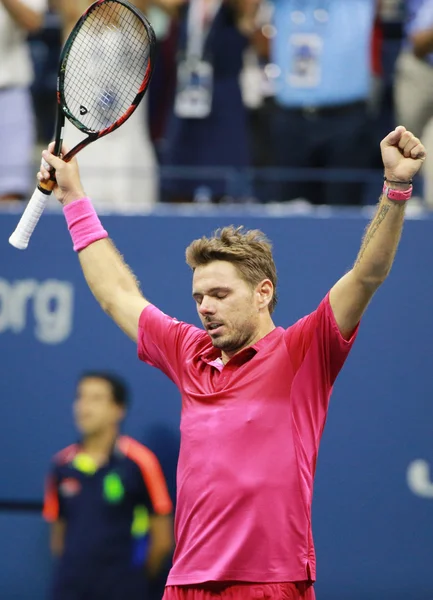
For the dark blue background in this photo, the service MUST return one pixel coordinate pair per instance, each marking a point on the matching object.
(374, 537)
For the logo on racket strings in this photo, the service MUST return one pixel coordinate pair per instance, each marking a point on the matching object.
(83, 110)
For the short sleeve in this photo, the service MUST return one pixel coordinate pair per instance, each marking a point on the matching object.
(166, 343)
(317, 352)
(155, 493)
(51, 508)
(319, 332)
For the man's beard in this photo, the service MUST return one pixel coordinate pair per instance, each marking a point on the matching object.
(232, 343)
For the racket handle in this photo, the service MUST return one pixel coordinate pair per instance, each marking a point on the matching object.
(29, 219)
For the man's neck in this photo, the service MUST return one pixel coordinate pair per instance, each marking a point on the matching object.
(264, 330)
(100, 445)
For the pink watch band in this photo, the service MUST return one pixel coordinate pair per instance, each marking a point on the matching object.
(397, 195)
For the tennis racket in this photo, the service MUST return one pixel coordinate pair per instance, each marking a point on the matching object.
(104, 72)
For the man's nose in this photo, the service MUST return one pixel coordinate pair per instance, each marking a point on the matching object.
(207, 306)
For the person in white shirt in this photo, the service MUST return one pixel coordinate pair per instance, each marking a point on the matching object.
(17, 132)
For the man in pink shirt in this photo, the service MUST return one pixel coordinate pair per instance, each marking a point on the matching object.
(254, 396)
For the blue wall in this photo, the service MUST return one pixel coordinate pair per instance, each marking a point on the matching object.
(374, 532)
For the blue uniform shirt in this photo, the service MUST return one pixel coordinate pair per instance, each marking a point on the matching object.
(322, 49)
(107, 519)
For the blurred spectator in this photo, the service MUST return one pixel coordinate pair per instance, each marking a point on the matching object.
(107, 500)
(208, 125)
(414, 82)
(121, 175)
(45, 47)
(391, 10)
(256, 93)
(321, 62)
(17, 130)
(161, 91)
(387, 38)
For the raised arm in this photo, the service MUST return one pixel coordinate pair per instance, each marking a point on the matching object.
(109, 278)
(402, 155)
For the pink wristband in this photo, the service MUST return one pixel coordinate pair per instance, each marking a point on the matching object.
(83, 223)
(397, 195)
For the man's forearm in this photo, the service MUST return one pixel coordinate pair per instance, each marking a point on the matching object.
(156, 560)
(155, 563)
(380, 243)
(161, 545)
(57, 537)
(107, 273)
(23, 15)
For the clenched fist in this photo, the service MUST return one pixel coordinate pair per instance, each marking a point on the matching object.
(403, 155)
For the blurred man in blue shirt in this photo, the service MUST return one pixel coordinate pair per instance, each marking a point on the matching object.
(415, 72)
(108, 503)
(322, 56)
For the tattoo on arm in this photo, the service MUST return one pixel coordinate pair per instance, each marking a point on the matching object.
(371, 231)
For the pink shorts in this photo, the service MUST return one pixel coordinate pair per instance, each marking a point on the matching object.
(240, 591)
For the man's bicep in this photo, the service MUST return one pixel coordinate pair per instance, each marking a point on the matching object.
(126, 310)
(349, 299)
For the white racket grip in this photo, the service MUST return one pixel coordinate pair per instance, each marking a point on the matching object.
(29, 219)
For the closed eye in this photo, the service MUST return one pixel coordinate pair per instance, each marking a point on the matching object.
(218, 292)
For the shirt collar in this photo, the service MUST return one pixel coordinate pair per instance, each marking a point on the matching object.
(211, 355)
(115, 450)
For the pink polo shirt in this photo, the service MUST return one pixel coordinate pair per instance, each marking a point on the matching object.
(250, 434)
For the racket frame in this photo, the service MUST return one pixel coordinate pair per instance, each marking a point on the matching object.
(21, 235)
(63, 112)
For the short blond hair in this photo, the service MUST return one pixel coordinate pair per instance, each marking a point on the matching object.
(249, 251)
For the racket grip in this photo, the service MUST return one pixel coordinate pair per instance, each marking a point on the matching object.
(21, 236)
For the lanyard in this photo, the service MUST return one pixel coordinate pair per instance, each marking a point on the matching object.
(200, 17)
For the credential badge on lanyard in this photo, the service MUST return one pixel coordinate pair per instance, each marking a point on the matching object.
(306, 43)
(194, 74)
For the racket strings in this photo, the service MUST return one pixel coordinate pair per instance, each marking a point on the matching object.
(106, 66)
